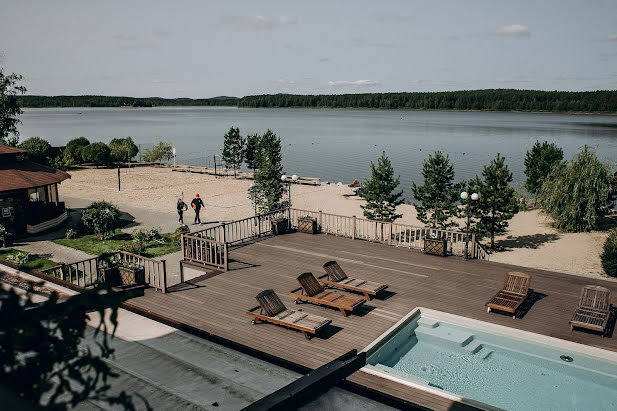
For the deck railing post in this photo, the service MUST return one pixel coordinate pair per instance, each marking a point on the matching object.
(320, 217)
(224, 233)
(164, 279)
(353, 231)
(473, 246)
(389, 233)
(226, 260)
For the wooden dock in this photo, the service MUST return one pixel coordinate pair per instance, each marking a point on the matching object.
(217, 303)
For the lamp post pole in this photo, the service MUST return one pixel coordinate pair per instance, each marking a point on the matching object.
(253, 198)
(285, 179)
(474, 197)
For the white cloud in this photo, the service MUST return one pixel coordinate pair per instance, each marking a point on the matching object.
(285, 82)
(354, 84)
(515, 30)
(612, 37)
(158, 81)
(257, 22)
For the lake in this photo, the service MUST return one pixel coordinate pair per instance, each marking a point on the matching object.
(337, 145)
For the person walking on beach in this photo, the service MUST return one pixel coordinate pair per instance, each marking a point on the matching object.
(181, 206)
(197, 204)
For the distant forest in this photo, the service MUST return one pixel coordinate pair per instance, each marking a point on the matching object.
(484, 100)
(490, 100)
(109, 101)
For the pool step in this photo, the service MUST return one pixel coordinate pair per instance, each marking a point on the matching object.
(444, 334)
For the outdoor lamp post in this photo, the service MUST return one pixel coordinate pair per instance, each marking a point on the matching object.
(285, 179)
(464, 197)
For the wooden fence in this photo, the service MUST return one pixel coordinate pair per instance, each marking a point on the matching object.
(87, 273)
(205, 251)
(396, 234)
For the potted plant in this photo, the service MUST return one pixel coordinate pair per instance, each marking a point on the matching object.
(307, 224)
(108, 269)
(131, 273)
(5, 237)
(280, 225)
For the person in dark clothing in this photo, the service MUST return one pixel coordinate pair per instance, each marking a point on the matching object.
(197, 204)
(181, 208)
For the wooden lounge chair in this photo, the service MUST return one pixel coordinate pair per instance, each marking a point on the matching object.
(310, 290)
(338, 278)
(271, 309)
(593, 310)
(512, 294)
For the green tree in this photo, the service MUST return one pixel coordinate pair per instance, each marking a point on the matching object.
(538, 163)
(42, 360)
(39, 149)
(609, 254)
(577, 194)
(233, 149)
(497, 203)
(10, 108)
(162, 151)
(438, 196)
(122, 149)
(101, 218)
(268, 189)
(73, 149)
(378, 191)
(250, 151)
(97, 153)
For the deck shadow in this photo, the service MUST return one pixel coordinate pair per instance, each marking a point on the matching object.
(384, 295)
(240, 265)
(249, 242)
(328, 332)
(531, 299)
(610, 325)
(183, 287)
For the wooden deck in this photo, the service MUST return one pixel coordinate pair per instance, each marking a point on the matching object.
(218, 304)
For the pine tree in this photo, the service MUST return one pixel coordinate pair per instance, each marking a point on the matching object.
(497, 202)
(381, 202)
(538, 163)
(438, 196)
(250, 151)
(233, 149)
(268, 189)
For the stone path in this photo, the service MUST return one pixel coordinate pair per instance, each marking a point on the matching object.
(53, 251)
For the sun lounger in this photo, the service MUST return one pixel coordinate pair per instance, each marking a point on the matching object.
(310, 290)
(593, 310)
(271, 309)
(337, 278)
(512, 294)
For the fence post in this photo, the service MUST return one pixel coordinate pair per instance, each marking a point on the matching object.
(182, 245)
(164, 280)
(224, 233)
(390, 234)
(320, 216)
(226, 259)
(473, 245)
(353, 232)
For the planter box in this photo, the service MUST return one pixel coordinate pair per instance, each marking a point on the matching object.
(6, 241)
(307, 225)
(110, 276)
(280, 226)
(436, 246)
(131, 276)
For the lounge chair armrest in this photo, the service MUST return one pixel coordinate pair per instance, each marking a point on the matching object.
(254, 309)
(295, 291)
(322, 276)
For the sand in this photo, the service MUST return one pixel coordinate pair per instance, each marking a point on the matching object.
(530, 240)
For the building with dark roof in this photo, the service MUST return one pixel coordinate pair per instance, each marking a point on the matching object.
(29, 200)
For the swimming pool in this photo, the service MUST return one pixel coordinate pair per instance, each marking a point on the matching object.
(492, 366)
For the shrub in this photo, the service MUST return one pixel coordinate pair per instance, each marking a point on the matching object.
(96, 153)
(133, 247)
(70, 233)
(609, 255)
(160, 152)
(145, 235)
(122, 149)
(20, 258)
(101, 218)
(39, 150)
(74, 147)
(3, 230)
(177, 236)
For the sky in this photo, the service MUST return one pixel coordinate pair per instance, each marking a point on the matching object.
(201, 49)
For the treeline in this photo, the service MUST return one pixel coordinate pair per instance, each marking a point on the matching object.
(488, 100)
(111, 101)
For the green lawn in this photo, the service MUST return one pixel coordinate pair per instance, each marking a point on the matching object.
(35, 262)
(89, 244)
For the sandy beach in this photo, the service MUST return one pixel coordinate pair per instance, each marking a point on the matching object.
(530, 240)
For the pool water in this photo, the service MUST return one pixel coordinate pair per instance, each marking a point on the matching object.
(499, 371)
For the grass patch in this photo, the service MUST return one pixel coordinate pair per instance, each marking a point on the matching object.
(35, 262)
(91, 245)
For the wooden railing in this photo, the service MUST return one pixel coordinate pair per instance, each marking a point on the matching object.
(155, 270)
(87, 273)
(396, 234)
(83, 273)
(205, 251)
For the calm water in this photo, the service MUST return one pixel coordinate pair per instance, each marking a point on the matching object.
(337, 145)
